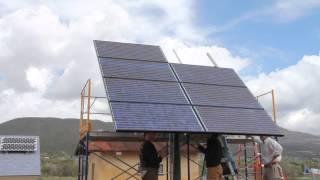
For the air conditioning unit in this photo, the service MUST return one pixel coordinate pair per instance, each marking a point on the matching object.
(18, 144)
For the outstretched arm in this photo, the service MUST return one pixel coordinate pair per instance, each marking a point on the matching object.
(202, 149)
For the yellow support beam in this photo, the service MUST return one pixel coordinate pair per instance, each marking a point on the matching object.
(85, 127)
(81, 112)
(89, 106)
(273, 103)
(274, 107)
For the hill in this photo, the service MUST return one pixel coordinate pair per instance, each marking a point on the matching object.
(55, 134)
(62, 134)
(298, 144)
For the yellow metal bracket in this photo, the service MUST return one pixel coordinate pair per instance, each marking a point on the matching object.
(85, 124)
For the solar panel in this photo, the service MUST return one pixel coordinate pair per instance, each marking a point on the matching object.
(207, 75)
(154, 117)
(147, 94)
(237, 120)
(128, 90)
(129, 51)
(143, 91)
(211, 95)
(16, 144)
(136, 69)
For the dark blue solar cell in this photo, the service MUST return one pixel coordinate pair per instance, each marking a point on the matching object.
(136, 69)
(145, 95)
(154, 117)
(129, 51)
(145, 91)
(207, 75)
(212, 95)
(237, 121)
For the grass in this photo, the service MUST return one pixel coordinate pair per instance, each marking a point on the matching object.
(305, 178)
(57, 178)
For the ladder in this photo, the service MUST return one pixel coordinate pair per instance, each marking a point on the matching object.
(228, 159)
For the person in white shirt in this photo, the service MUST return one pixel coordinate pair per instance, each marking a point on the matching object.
(271, 156)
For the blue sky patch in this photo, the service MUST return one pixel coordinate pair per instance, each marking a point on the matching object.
(253, 30)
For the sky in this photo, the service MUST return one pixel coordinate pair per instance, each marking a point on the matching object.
(47, 53)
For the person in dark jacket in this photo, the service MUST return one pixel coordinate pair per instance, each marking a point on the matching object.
(149, 158)
(213, 155)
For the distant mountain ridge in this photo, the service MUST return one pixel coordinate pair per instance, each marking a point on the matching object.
(298, 144)
(65, 134)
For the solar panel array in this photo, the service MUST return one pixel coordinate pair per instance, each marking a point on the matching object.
(146, 93)
(18, 144)
(143, 92)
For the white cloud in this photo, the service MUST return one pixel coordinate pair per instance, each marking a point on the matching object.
(47, 54)
(33, 104)
(297, 91)
(289, 10)
(39, 78)
(197, 54)
(48, 51)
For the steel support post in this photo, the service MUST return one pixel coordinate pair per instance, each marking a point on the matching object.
(79, 162)
(245, 160)
(167, 160)
(188, 151)
(175, 157)
(82, 160)
(255, 161)
(86, 154)
(260, 157)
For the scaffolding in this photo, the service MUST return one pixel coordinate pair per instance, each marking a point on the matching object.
(247, 153)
